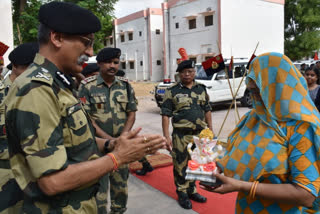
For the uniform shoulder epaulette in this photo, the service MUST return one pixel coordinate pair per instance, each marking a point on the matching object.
(173, 85)
(40, 74)
(122, 79)
(89, 79)
(201, 84)
(2, 86)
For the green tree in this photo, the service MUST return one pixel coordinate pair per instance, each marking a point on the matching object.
(25, 18)
(302, 28)
(103, 9)
(25, 21)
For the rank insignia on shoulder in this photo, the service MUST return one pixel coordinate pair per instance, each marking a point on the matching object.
(90, 79)
(122, 78)
(43, 77)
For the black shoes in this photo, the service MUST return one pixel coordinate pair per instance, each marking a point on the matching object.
(184, 201)
(198, 198)
(145, 169)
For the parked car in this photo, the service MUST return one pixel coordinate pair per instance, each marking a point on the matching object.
(217, 85)
(160, 89)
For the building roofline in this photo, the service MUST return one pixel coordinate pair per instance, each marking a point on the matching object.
(140, 14)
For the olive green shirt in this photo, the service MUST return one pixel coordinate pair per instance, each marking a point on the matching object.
(187, 107)
(48, 130)
(108, 106)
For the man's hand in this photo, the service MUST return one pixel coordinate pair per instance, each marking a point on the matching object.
(130, 147)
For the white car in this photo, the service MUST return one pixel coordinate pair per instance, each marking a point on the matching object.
(217, 85)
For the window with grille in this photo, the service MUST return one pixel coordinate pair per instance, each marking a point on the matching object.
(122, 38)
(130, 36)
(123, 65)
(208, 20)
(192, 24)
(131, 65)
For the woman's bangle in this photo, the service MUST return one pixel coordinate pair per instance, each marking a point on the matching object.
(114, 160)
(253, 189)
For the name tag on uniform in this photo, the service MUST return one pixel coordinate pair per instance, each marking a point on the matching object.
(182, 95)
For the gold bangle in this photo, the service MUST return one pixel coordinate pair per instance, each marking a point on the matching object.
(253, 189)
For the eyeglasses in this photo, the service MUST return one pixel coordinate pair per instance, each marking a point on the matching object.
(88, 42)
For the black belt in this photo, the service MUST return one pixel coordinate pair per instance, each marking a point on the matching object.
(5, 164)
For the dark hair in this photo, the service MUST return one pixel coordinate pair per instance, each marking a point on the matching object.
(317, 72)
(311, 66)
(43, 34)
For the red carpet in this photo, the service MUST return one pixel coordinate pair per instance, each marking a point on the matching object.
(162, 179)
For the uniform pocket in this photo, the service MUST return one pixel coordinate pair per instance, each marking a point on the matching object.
(99, 103)
(78, 125)
(201, 100)
(183, 103)
(122, 101)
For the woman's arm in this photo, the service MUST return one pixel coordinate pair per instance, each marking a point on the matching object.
(283, 193)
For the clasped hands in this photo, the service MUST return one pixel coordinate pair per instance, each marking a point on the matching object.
(131, 146)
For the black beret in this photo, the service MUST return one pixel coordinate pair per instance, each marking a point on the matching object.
(120, 73)
(185, 64)
(9, 66)
(90, 68)
(24, 53)
(107, 54)
(68, 18)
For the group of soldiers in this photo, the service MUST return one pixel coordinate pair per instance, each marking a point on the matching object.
(60, 147)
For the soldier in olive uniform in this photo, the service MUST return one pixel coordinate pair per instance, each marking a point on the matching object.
(187, 102)
(54, 156)
(10, 193)
(111, 103)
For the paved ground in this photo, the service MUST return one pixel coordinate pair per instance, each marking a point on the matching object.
(142, 197)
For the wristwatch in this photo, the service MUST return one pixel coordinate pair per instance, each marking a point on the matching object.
(106, 146)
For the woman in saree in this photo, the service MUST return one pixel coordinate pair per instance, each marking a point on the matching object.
(273, 154)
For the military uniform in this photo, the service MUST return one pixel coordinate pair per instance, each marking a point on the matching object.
(48, 130)
(10, 193)
(109, 106)
(187, 107)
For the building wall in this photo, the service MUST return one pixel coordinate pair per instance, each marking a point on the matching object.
(146, 46)
(237, 27)
(244, 23)
(156, 61)
(133, 50)
(6, 32)
(198, 42)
